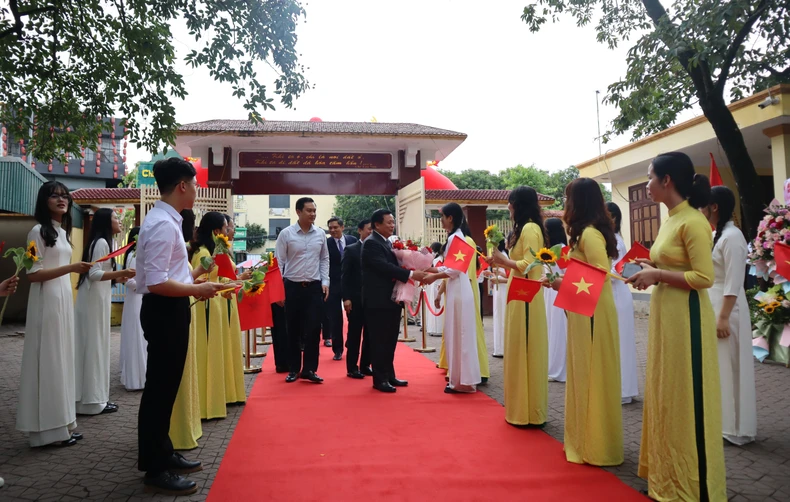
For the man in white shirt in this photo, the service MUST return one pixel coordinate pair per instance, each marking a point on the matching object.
(164, 279)
(303, 256)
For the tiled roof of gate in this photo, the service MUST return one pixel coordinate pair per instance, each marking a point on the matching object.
(297, 127)
(467, 194)
(105, 194)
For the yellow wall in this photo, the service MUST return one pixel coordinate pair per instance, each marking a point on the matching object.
(255, 209)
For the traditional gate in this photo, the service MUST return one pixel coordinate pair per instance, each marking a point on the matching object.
(208, 199)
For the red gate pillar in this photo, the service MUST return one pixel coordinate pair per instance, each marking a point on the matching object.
(476, 216)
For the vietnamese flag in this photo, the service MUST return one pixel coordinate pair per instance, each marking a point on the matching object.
(522, 290)
(636, 251)
(581, 288)
(481, 266)
(564, 259)
(119, 252)
(225, 267)
(782, 259)
(715, 177)
(255, 311)
(459, 255)
(274, 283)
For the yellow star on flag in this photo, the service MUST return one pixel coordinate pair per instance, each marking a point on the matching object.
(521, 292)
(565, 256)
(582, 286)
(459, 256)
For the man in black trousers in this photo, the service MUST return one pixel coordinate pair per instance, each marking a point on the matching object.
(279, 338)
(380, 270)
(351, 277)
(164, 279)
(303, 256)
(337, 242)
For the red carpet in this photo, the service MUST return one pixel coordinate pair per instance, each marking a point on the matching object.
(344, 441)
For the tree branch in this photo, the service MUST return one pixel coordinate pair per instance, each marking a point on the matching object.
(776, 73)
(18, 24)
(736, 44)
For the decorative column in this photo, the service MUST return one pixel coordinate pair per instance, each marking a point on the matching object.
(780, 157)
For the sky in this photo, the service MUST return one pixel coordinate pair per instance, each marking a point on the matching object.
(468, 66)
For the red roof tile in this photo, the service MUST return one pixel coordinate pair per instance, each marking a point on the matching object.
(105, 194)
(466, 194)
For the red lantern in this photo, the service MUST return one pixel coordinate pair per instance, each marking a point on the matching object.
(98, 163)
(49, 167)
(115, 167)
(98, 170)
(65, 169)
(113, 143)
(112, 120)
(115, 158)
(24, 158)
(4, 130)
(82, 170)
(32, 165)
(112, 135)
(115, 175)
(23, 150)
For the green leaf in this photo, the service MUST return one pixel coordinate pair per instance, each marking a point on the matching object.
(239, 295)
(206, 262)
(557, 250)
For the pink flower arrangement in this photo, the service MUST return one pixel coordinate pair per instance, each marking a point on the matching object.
(774, 227)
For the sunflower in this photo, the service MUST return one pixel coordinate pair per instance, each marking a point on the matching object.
(224, 239)
(769, 309)
(775, 304)
(488, 230)
(256, 289)
(32, 252)
(546, 255)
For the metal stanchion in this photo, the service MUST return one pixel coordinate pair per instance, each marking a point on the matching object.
(255, 352)
(406, 337)
(264, 341)
(248, 368)
(424, 347)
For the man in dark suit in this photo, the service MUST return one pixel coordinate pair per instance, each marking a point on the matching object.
(351, 271)
(380, 270)
(333, 306)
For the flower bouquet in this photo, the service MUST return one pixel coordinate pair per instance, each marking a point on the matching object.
(23, 258)
(546, 257)
(493, 237)
(411, 256)
(771, 336)
(774, 227)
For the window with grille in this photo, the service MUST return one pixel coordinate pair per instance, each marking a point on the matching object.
(644, 215)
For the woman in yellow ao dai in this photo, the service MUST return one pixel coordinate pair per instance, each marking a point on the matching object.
(682, 454)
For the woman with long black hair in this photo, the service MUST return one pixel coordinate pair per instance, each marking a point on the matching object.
(46, 387)
(556, 320)
(460, 322)
(133, 345)
(733, 324)
(593, 413)
(92, 319)
(526, 337)
(213, 375)
(682, 454)
(624, 303)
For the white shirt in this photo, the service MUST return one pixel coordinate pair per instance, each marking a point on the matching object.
(161, 250)
(303, 257)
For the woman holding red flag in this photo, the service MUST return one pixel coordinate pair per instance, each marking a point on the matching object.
(682, 454)
(92, 317)
(526, 358)
(593, 413)
(460, 320)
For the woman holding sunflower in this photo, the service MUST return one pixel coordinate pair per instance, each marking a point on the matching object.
(92, 317)
(46, 409)
(214, 365)
(526, 337)
(234, 387)
(593, 412)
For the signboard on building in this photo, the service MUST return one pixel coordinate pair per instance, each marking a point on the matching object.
(310, 160)
(145, 174)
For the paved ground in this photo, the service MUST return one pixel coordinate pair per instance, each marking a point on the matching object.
(103, 466)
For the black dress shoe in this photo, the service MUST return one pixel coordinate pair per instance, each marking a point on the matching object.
(280, 369)
(327, 343)
(398, 383)
(355, 374)
(169, 484)
(310, 375)
(450, 390)
(337, 357)
(291, 377)
(366, 371)
(384, 387)
(498, 356)
(483, 380)
(76, 436)
(179, 465)
(68, 442)
(109, 409)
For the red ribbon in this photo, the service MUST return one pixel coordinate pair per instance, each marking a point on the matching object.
(428, 306)
(411, 312)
